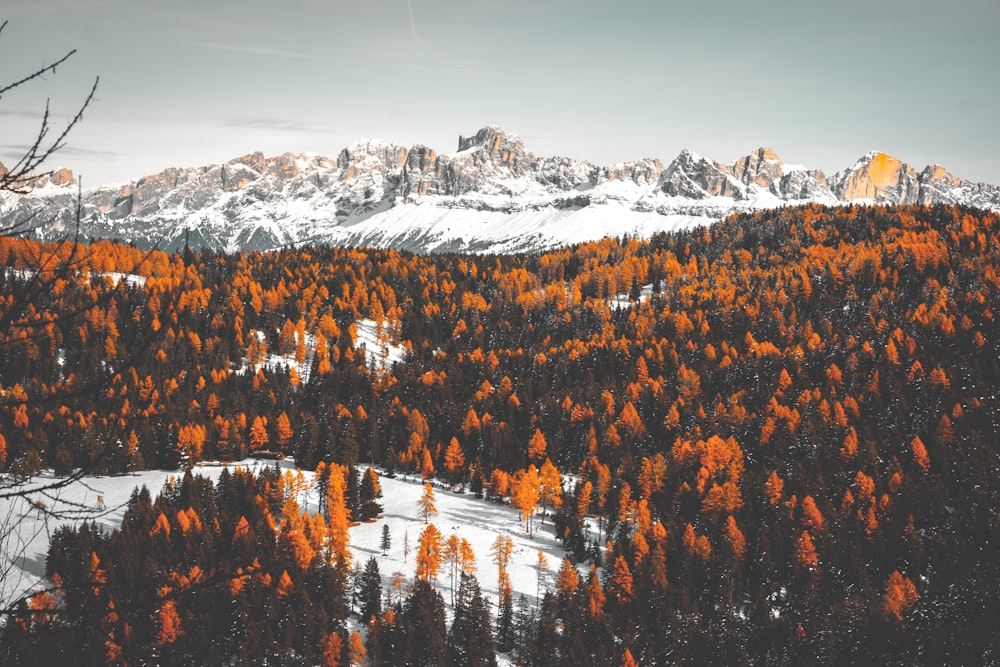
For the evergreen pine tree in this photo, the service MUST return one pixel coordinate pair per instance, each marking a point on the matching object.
(386, 542)
(353, 493)
(423, 626)
(370, 492)
(505, 622)
(470, 642)
(371, 591)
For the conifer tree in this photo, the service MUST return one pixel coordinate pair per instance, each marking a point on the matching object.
(386, 542)
(426, 506)
(537, 447)
(423, 620)
(503, 547)
(470, 642)
(339, 518)
(429, 553)
(505, 620)
(368, 496)
(454, 461)
(371, 591)
(525, 493)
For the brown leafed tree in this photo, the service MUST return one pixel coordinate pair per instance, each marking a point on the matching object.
(283, 431)
(258, 433)
(567, 579)
(920, 454)
(168, 624)
(805, 551)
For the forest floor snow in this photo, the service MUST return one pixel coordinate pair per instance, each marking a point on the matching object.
(462, 514)
(25, 531)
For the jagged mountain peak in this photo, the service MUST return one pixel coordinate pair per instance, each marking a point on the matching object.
(56, 178)
(935, 171)
(878, 176)
(369, 155)
(766, 153)
(494, 145)
(762, 168)
(688, 156)
(876, 160)
(489, 137)
(693, 176)
(761, 154)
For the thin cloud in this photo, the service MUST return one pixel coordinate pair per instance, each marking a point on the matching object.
(471, 72)
(413, 25)
(259, 51)
(69, 151)
(52, 7)
(272, 124)
(22, 114)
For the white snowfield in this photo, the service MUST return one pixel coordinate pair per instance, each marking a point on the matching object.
(462, 514)
(115, 276)
(437, 228)
(24, 532)
(379, 343)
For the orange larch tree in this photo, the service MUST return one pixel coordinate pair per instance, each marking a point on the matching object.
(426, 506)
(537, 447)
(258, 433)
(454, 461)
(900, 596)
(429, 553)
(525, 492)
(503, 548)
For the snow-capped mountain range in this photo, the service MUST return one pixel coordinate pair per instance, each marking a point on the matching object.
(491, 195)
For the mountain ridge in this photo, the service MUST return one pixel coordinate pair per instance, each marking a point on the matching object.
(491, 195)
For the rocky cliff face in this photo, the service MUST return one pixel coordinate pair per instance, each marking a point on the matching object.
(762, 168)
(879, 177)
(492, 194)
(693, 177)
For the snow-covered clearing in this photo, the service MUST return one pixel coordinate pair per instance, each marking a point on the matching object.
(115, 276)
(624, 300)
(378, 341)
(25, 532)
(462, 514)
(275, 361)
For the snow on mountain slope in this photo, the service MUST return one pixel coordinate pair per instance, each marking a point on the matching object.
(491, 195)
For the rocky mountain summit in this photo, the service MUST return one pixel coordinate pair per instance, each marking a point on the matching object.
(491, 195)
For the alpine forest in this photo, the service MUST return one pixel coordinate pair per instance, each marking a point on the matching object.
(767, 441)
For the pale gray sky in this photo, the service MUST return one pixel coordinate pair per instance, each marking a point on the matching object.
(192, 82)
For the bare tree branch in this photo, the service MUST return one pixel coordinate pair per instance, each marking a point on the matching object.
(24, 497)
(23, 174)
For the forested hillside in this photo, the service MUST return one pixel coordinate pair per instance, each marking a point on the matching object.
(783, 426)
